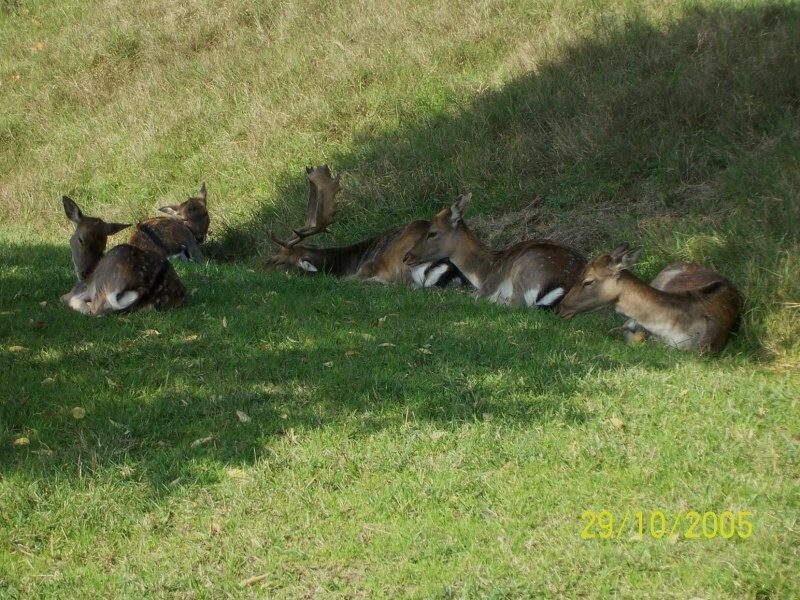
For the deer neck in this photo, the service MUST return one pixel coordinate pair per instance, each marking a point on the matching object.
(655, 310)
(472, 258)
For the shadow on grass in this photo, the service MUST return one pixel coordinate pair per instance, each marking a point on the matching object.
(636, 125)
(253, 360)
(683, 137)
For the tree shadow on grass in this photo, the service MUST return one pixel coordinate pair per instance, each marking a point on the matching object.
(637, 124)
(254, 359)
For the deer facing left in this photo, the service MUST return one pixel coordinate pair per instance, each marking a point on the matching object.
(124, 279)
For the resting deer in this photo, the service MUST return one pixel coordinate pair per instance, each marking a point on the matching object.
(176, 237)
(126, 278)
(531, 273)
(686, 306)
(378, 259)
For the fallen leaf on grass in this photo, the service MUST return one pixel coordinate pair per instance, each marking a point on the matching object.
(352, 353)
(151, 332)
(78, 413)
(386, 345)
(39, 325)
(17, 348)
(20, 442)
(243, 417)
(205, 440)
(424, 351)
(236, 474)
(48, 381)
(251, 580)
(618, 423)
(216, 528)
(192, 338)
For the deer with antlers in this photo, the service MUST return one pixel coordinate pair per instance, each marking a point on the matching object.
(378, 259)
(179, 234)
(126, 278)
(686, 306)
(530, 273)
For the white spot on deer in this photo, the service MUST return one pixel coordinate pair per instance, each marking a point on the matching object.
(121, 301)
(551, 298)
(433, 275)
(530, 296)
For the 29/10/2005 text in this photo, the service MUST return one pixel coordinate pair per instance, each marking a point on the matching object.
(690, 525)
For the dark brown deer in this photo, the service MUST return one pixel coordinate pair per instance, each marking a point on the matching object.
(176, 237)
(378, 259)
(531, 273)
(124, 279)
(686, 306)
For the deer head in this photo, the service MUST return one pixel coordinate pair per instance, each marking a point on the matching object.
(320, 213)
(597, 286)
(88, 242)
(442, 236)
(193, 213)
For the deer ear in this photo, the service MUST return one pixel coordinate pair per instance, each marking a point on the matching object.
(307, 266)
(201, 195)
(74, 213)
(112, 228)
(458, 209)
(171, 210)
(624, 257)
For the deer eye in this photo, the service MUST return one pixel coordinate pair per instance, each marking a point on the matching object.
(588, 282)
(432, 234)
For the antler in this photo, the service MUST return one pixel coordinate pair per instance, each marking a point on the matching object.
(321, 209)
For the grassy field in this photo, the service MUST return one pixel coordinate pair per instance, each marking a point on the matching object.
(287, 436)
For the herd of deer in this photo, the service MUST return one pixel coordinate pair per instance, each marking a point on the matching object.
(686, 306)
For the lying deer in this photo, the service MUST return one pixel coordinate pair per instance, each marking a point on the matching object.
(378, 259)
(531, 273)
(176, 237)
(686, 306)
(124, 279)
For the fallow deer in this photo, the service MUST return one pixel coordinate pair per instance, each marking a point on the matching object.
(378, 259)
(686, 306)
(176, 237)
(124, 279)
(530, 273)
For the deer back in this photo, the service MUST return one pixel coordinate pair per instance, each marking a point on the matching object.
(166, 236)
(127, 279)
(179, 234)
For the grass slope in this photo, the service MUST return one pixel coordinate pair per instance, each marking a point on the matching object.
(338, 439)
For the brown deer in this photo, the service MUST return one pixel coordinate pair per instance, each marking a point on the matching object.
(378, 259)
(176, 237)
(124, 279)
(530, 273)
(686, 306)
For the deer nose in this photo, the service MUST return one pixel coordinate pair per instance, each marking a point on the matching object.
(200, 237)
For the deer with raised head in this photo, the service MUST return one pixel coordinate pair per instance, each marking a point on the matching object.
(686, 306)
(378, 259)
(530, 273)
(125, 278)
(179, 234)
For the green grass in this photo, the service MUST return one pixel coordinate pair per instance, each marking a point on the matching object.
(348, 440)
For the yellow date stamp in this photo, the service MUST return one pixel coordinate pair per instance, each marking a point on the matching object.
(692, 525)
